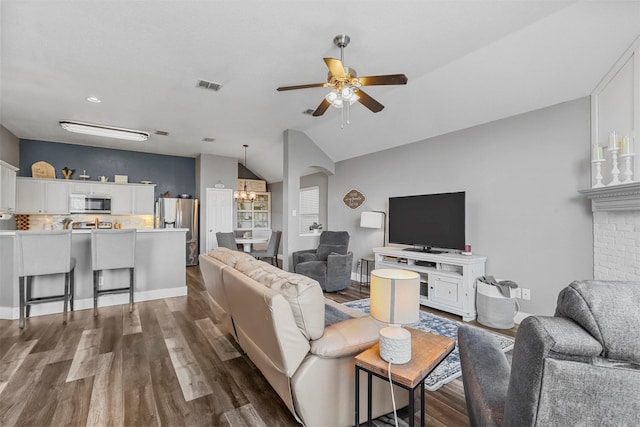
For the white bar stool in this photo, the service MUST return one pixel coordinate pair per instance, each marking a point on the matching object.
(112, 249)
(42, 253)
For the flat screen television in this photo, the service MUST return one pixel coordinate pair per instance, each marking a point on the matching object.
(428, 221)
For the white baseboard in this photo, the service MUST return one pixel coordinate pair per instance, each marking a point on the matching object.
(520, 316)
(12, 313)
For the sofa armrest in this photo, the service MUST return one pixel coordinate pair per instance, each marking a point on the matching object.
(296, 257)
(347, 338)
(485, 375)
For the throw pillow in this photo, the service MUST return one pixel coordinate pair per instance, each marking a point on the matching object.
(324, 250)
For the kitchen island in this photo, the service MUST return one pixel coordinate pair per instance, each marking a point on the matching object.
(160, 272)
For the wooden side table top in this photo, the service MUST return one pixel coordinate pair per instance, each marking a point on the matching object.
(427, 350)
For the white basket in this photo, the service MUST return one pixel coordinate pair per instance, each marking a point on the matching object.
(494, 309)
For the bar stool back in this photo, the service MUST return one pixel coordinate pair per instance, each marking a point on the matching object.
(43, 253)
(112, 249)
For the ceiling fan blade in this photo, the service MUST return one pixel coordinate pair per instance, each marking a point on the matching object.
(335, 67)
(368, 101)
(321, 108)
(388, 79)
(301, 86)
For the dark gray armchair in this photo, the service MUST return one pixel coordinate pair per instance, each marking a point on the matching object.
(329, 264)
(579, 367)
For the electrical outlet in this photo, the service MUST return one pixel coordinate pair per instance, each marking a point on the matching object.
(516, 293)
(526, 294)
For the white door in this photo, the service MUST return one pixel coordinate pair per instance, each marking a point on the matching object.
(219, 205)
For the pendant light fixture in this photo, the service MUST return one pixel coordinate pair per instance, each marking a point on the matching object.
(244, 195)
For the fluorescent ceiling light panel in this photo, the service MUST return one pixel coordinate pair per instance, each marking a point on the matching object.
(107, 131)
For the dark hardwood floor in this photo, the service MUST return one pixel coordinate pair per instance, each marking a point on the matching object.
(167, 363)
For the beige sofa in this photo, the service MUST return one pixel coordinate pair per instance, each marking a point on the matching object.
(278, 320)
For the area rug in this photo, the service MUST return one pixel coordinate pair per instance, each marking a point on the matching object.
(449, 369)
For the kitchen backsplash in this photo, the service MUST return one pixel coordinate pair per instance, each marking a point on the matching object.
(55, 222)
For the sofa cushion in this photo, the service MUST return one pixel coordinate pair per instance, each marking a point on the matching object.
(228, 256)
(605, 309)
(305, 257)
(303, 294)
(324, 250)
(347, 338)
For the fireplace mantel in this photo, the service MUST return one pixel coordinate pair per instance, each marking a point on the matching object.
(622, 197)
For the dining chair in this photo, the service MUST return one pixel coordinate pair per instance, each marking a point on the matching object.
(272, 248)
(43, 253)
(227, 240)
(111, 250)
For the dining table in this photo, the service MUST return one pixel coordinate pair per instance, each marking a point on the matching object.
(246, 242)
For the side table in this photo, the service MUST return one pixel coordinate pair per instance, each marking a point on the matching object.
(427, 351)
(365, 271)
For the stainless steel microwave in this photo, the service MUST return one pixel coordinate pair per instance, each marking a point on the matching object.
(90, 203)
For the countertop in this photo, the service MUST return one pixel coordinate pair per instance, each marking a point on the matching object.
(87, 231)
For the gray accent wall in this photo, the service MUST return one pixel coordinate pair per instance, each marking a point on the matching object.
(172, 174)
(521, 176)
(9, 147)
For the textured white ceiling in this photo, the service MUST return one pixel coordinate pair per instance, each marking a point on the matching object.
(468, 62)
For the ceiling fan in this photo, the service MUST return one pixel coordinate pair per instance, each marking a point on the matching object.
(346, 85)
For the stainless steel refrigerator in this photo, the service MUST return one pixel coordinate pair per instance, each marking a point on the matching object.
(180, 213)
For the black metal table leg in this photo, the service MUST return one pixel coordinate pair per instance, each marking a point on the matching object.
(369, 387)
(357, 396)
(422, 403)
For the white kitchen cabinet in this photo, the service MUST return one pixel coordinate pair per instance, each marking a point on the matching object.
(143, 199)
(121, 199)
(40, 196)
(7, 187)
(49, 196)
(80, 187)
(132, 199)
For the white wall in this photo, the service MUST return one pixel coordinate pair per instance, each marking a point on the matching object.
(9, 147)
(521, 176)
(301, 158)
(209, 170)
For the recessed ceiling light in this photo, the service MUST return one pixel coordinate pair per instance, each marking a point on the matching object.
(208, 139)
(107, 131)
(94, 99)
(162, 133)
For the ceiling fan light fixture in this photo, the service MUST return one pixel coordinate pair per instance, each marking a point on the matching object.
(105, 131)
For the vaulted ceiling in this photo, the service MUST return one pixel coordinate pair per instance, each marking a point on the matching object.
(468, 62)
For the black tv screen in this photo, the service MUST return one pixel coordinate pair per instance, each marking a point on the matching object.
(428, 221)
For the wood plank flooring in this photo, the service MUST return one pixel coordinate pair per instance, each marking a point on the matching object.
(166, 363)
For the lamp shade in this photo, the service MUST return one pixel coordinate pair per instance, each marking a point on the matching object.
(395, 296)
(372, 219)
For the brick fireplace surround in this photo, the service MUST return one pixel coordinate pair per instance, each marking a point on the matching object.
(616, 232)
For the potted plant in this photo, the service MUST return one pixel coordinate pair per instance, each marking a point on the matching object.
(315, 228)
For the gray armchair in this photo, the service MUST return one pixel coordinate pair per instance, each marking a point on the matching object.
(579, 367)
(329, 264)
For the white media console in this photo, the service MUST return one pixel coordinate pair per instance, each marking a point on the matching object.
(447, 281)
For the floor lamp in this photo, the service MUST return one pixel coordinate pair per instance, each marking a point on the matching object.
(375, 219)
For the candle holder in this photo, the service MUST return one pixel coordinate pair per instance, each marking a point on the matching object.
(628, 172)
(615, 172)
(598, 164)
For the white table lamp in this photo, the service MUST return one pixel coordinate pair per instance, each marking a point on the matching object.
(395, 299)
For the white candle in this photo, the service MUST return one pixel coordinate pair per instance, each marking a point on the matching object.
(613, 140)
(598, 153)
(627, 145)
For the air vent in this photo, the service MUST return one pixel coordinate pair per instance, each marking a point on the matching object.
(308, 111)
(209, 85)
(162, 133)
(208, 139)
